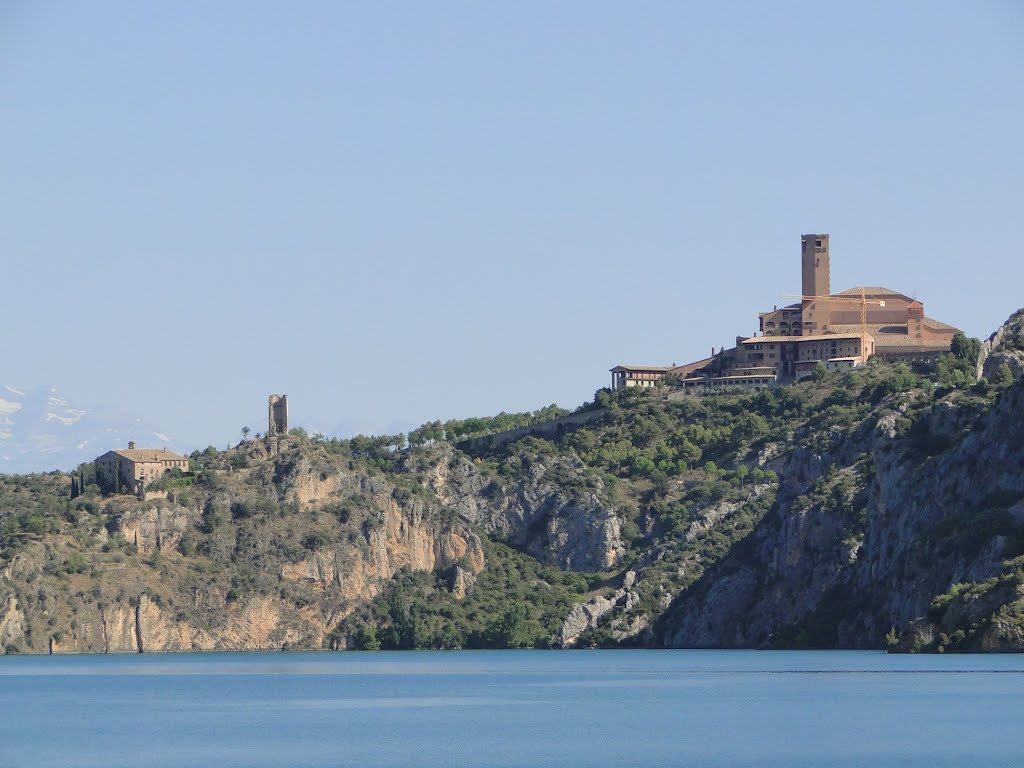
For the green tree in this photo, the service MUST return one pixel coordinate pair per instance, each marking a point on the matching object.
(1003, 376)
(689, 453)
(963, 347)
(507, 630)
(951, 371)
(365, 638)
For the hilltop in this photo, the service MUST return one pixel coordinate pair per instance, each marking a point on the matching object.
(880, 506)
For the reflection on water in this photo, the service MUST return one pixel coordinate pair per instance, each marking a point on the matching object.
(510, 709)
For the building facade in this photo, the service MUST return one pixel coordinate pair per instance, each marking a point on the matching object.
(134, 468)
(624, 376)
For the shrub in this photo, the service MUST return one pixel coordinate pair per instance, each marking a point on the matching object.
(245, 508)
(314, 540)
(365, 639)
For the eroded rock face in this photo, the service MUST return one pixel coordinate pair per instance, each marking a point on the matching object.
(362, 529)
(400, 540)
(578, 532)
(871, 550)
(259, 623)
(1014, 360)
(585, 616)
(12, 621)
(461, 582)
(155, 526)
(1006, 345)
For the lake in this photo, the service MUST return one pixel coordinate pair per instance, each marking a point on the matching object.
(513, 708)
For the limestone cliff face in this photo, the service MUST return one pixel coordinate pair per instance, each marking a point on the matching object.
(12, 622)
(399, 541)
(267, 557)
(142, 625)
(578, 531)
(1006, 345)
(860, 541)
(153, 526)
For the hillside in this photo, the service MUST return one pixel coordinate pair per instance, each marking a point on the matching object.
(881, 506)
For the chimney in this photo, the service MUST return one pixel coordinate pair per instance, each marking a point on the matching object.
(131, 445)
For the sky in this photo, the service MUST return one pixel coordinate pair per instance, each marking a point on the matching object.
(402, 211)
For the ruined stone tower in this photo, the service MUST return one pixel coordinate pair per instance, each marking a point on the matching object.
(277, 415)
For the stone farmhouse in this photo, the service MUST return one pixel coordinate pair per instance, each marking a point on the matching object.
(836, 330)
(134, 468)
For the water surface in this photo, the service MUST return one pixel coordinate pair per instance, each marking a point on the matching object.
(513, 708)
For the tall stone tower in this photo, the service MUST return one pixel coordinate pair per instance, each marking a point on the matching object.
(277, 415)
(814, 265)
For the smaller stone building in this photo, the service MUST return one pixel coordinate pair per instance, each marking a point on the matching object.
(624, 376)
(134, 468)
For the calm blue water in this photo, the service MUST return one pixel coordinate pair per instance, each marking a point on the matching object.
(518, 708)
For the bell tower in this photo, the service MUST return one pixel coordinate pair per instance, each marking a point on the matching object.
(814, 266)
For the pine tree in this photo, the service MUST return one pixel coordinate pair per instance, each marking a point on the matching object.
(1003, 376)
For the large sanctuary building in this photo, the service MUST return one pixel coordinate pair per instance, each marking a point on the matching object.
(836, 330)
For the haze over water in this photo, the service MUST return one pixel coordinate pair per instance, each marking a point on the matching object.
(509, 708)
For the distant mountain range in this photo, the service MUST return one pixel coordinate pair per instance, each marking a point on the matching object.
(41, 430)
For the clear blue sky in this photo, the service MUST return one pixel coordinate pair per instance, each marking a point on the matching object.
(397, 212)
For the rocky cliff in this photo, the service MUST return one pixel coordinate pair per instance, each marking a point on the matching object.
(864, 538)
(277, 543)
(924, 495)
(271, 555)
(536, 512)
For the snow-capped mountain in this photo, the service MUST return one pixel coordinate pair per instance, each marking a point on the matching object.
(40, 430)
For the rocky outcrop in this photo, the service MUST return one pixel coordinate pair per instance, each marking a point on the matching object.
(461, 582)
(856, 543)
(585, 616)
(571, 530)
(151, 526)
(616, 609)
(12, 622)
(400, 540)
(1006, 345)
(142, 625)
(285, 548)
